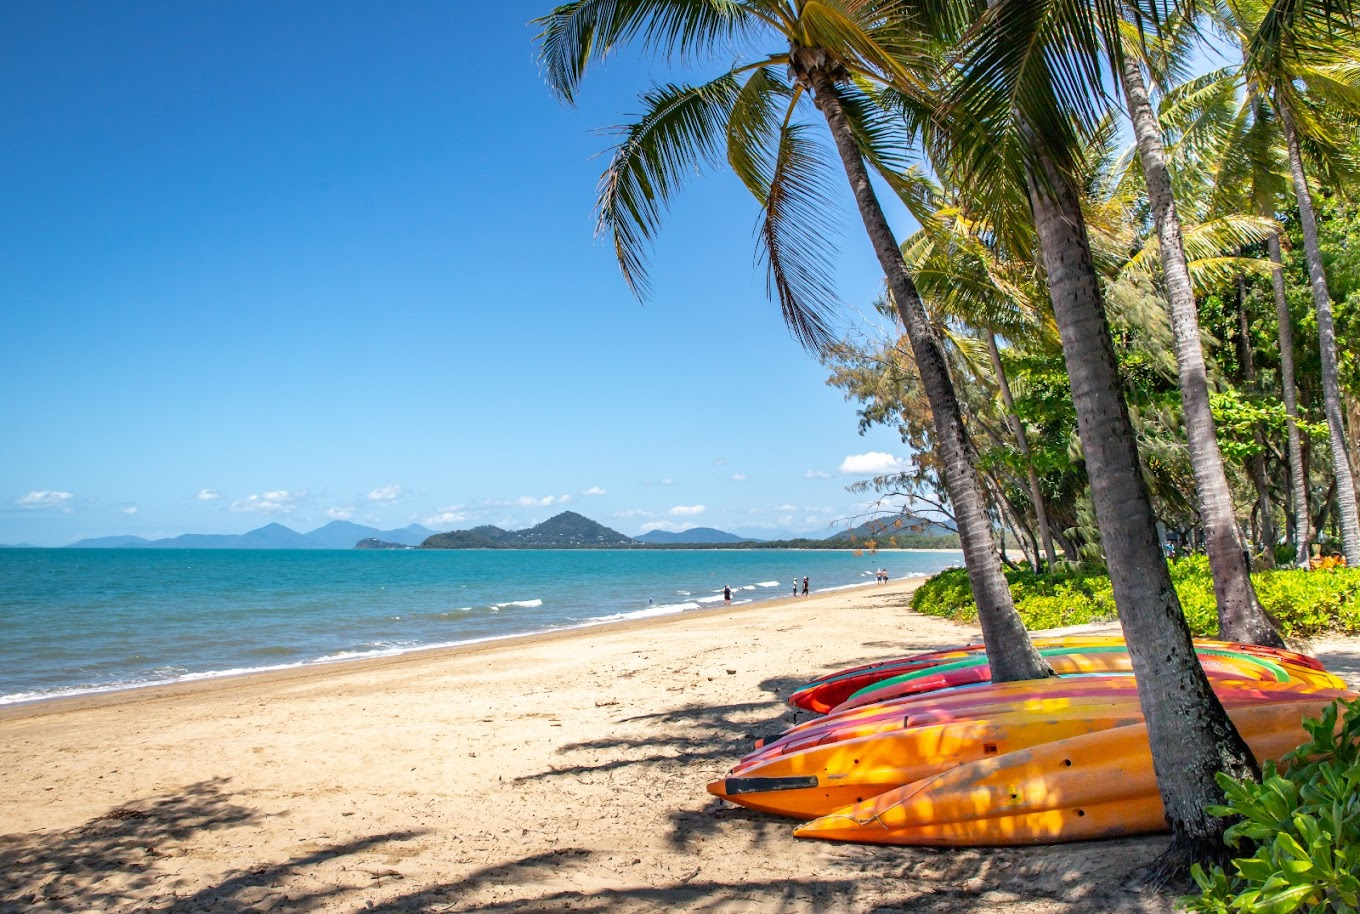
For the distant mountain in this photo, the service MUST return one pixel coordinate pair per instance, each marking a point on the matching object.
(694, 535)
(18, 546)
(338, 534)
(899, 525)
(112, 542)
(565, 529)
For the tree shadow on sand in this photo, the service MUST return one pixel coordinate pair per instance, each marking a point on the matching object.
(117, 861)
(877, 880)
(714, 736)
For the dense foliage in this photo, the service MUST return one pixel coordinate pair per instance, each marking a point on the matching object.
(1300, 827)
(1303, 603)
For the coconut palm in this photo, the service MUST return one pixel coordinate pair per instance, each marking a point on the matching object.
(831, 54)
(1240, 616)
(1028, 82)
(1298, 57)
(1234, 152)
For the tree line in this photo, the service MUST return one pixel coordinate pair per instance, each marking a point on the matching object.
(1100, 345)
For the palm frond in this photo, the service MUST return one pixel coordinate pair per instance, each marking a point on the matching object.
(793, 235)
(753, 128)
(1205, 247)
(576, 33)
(681, 129)
(870, 38)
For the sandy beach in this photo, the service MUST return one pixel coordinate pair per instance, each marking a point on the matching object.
(547, 773)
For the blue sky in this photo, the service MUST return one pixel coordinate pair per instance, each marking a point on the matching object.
(301, 261)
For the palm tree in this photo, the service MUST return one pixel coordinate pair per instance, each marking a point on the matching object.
(1235, 138)
(1296, 54)
(830, 53)
(1240, 616)
(1026, 85)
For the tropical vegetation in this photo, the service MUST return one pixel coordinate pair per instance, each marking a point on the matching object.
(1108, 344)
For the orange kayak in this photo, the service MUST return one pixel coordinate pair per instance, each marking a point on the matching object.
(823, 778)
(987, 700)
(1095, 785)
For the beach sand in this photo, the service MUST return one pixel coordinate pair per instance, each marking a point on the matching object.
(548, 773)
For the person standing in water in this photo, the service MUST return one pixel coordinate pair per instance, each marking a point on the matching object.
(727, 594)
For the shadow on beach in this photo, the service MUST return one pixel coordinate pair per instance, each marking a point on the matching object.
(122, 860)
(874, 880)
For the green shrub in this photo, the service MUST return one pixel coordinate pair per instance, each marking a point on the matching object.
(1302, 603)
(1301, 825)
(1311, 602)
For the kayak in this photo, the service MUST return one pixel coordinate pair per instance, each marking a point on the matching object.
(817, 779)
(1093, 785)
(821, 779)
(825, 693)
(1089, 659)
(987, 699)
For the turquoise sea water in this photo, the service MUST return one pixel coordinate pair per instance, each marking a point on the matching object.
(84, 620)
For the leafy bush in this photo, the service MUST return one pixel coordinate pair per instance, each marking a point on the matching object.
(1301, 825)
(1302, 603)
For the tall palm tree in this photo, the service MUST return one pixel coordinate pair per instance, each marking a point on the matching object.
(1028, 80)
(1236, 140)
(832, 54)
(1240, 616)
(1298, 54)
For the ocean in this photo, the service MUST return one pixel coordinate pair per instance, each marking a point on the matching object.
(90, 620)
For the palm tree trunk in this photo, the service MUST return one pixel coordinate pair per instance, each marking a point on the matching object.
(1191, 737)
(1240, 617)
(1265, 510)
(1036, 495)
(1331, 386)
(1298, 479)
(1011, 654)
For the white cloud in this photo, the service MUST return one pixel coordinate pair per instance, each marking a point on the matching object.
(738, 477)
(874, 463)
(280, 501)
(453, 514)
(786, 508)
(385, 493)
(659, 482)
(594, 490)
(632, 514)
(340, 513)
(667, 526)
(528, 501)
(816, 474)
(44, 499)
(686, 510)
(130, 509)
(208, 495)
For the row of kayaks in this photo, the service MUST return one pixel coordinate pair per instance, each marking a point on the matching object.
(927, 750)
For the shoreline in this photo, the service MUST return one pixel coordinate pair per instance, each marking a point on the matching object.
(307, 669)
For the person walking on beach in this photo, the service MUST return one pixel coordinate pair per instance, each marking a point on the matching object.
(795, 585)
(805, 585)
(727, 594)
